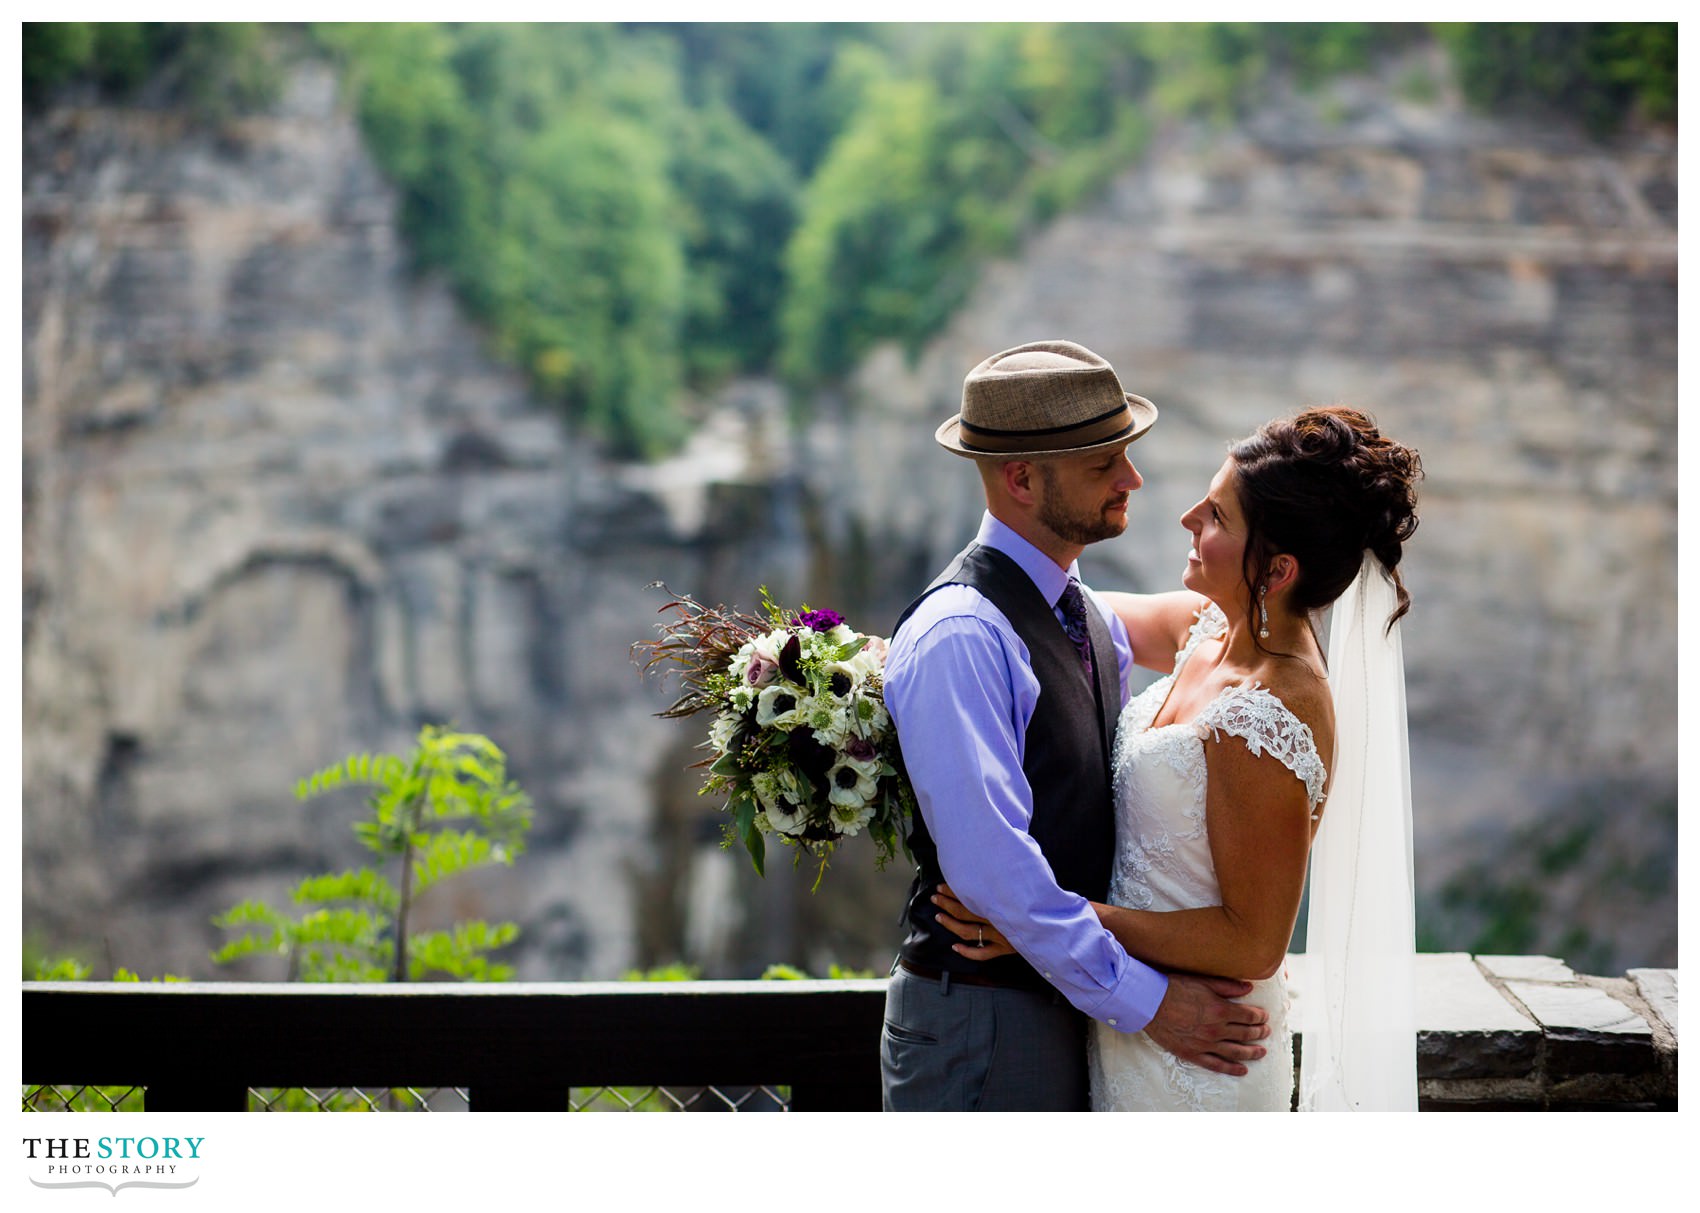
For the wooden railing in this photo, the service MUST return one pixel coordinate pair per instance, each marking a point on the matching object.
(1494, 1032)
(513, 1047)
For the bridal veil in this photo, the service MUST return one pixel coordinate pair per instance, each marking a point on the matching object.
(1358, 997)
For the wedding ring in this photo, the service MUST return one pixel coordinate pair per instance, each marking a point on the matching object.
(982, 942)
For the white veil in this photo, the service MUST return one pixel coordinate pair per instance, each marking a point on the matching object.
(1358, 997)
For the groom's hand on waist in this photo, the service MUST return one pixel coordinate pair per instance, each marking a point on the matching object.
(1198, 1023)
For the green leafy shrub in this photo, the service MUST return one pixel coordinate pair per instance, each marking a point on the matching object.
(61, 968)
(446, 808)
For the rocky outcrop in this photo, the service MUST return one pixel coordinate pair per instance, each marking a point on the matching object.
(279, 505)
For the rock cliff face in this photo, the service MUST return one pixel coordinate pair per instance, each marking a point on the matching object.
(279, 505)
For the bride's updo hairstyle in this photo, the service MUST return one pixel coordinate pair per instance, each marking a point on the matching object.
(1324, 486)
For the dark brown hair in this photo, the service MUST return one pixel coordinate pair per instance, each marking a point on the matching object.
(1324, 486)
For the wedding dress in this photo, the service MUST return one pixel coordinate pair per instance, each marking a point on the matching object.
(1163, 862)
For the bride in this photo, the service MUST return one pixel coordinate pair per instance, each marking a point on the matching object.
(1229, 768)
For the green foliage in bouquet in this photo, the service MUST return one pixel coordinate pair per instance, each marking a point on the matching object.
(445, 808)
(801, 745)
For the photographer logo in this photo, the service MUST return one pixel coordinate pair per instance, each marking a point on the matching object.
(113, 1163)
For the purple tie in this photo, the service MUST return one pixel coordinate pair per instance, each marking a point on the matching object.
(1073, 604)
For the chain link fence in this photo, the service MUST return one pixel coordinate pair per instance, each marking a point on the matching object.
(433, 1099)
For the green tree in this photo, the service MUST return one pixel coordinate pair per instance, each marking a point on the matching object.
(872, 254)
(590, 273)
(957, 148)
(401, 79)
(53, 52)
(782, 79)
(738, 202)
(215, 70)
(1599, 74)
(445, 808)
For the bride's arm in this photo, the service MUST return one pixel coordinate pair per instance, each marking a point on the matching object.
(1157, 624)
(1258, 817)
(1259, 823)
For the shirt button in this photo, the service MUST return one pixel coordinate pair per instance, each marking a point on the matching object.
(1111, 1022)
(1047, 977)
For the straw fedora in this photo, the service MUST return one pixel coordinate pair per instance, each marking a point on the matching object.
(1045, 398)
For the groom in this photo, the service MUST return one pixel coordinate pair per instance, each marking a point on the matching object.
(1005, 679)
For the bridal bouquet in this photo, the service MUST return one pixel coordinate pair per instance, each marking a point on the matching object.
(799, 738)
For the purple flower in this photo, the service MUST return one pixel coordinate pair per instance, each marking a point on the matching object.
(764, 663)
(820, 621)
(861, 749)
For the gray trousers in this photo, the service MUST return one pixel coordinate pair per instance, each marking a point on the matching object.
(949, 1047)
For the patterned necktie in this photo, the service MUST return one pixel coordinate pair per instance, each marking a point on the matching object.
(1073, 604)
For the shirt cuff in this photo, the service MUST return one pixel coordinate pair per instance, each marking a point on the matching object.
(1133, 1002)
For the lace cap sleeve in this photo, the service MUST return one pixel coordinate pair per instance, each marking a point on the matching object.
(1255, 715)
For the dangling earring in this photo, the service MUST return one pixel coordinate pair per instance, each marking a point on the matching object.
(1263, 612)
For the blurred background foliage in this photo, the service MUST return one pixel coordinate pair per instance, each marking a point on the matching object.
(635, 213)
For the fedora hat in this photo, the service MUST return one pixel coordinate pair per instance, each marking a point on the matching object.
(1044, 398)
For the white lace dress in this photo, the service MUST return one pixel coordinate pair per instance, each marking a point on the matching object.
(1163, 863)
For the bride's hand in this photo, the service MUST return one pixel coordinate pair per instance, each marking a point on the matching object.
(981, 940)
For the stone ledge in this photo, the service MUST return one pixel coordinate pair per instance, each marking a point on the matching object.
(1525, 1032)
(1658, 988)
(1466, 1029)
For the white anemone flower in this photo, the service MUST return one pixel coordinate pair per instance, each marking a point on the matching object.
(850, 785)
(842, 679)
(790, 820)
(780, 814)
(788, 815)
(781, 706)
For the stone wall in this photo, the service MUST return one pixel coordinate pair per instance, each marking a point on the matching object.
(1527, 1033)
(279, 505)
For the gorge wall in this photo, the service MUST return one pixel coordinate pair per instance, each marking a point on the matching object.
(279, 505)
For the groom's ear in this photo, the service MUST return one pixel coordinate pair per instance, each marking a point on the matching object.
(1018, 476)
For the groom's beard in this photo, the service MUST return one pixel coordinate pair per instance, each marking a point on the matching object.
(1080, 524)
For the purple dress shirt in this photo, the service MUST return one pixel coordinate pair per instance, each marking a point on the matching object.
(958, 677)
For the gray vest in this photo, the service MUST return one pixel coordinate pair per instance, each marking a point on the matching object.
(1067, 762)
